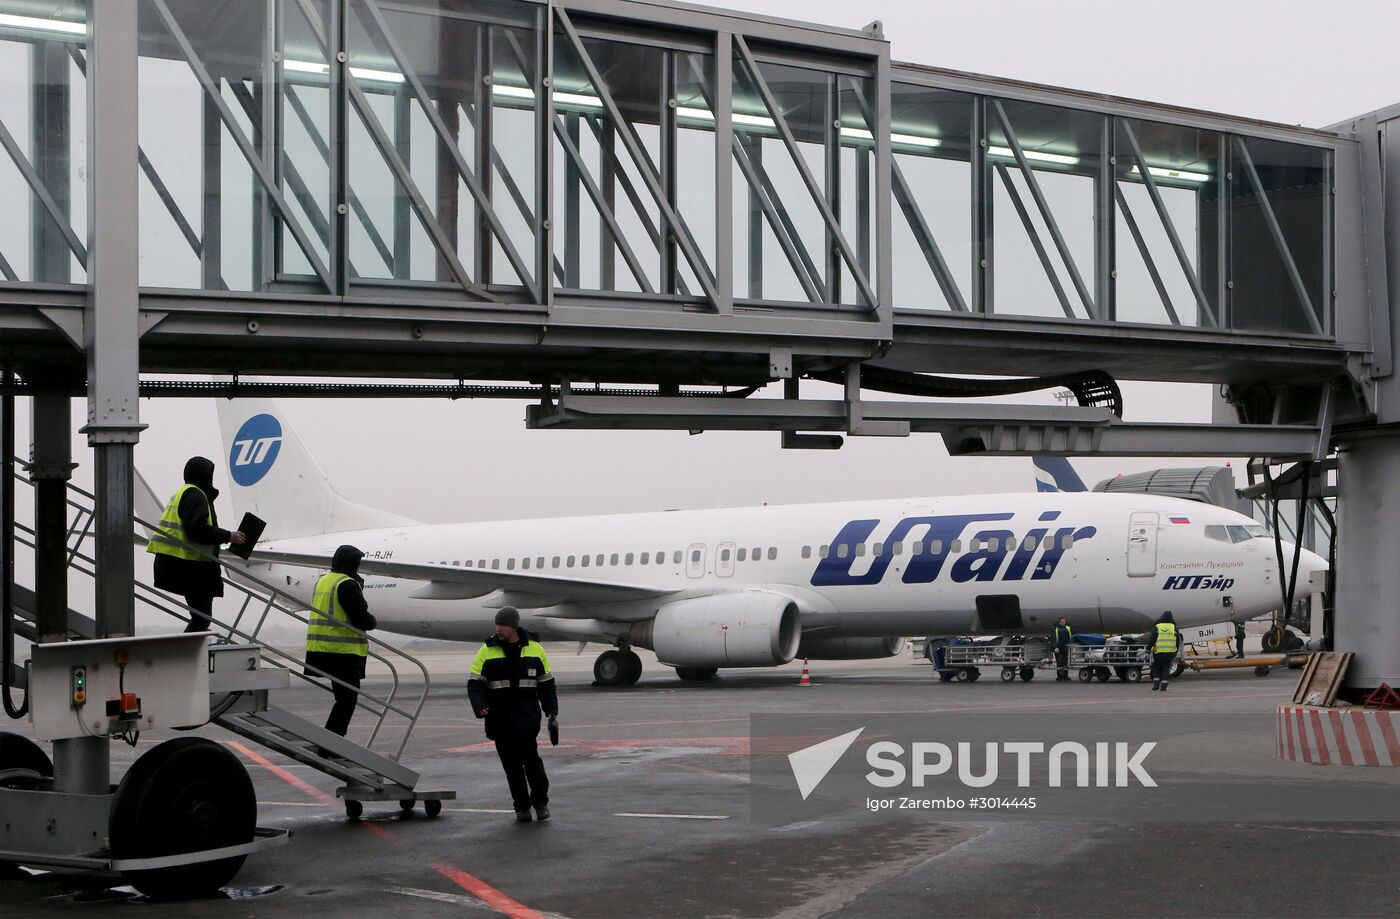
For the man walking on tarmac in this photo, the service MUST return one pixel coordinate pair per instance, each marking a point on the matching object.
(1166, 643)
(1060, 640)
(509, 684)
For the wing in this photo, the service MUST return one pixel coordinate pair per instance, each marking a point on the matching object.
(452, 583)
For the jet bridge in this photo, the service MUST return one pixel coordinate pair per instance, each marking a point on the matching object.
(674, 199)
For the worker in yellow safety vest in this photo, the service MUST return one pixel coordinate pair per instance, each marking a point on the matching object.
(186, 544)
(1166, 644)
(333, 647)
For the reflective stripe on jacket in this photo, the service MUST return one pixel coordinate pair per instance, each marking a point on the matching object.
(328, 628)
(171, 527)
(1166, 639)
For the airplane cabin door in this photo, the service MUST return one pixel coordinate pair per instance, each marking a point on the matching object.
(724, 559)
(695, 560)
(1142, 544)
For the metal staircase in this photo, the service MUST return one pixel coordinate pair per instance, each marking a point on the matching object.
(245, 669)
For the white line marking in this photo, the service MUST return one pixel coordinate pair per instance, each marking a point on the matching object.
(479, 810)
(679, 816)
(458, 899)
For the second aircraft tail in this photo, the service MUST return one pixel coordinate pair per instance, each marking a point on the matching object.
(271, 474)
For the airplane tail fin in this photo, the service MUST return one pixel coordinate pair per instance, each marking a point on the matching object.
(1054, 473)
(273, 475)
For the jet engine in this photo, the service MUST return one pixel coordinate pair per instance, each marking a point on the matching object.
(849, 649)
(753, 628)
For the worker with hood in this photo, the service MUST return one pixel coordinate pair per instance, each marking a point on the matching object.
(336, 645)
(1166, 644)
(186, 544)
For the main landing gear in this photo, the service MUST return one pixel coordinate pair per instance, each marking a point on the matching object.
(619, 667)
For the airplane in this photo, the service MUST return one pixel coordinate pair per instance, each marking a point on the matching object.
(760, 586)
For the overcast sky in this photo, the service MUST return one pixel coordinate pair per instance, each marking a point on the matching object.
(1291, 62)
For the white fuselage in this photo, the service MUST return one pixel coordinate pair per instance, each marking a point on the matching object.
(926, 566)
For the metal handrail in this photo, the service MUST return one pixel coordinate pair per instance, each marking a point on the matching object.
(268, 596)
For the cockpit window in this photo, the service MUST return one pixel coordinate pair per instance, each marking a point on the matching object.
(1256, 531)
(1239, 534)
(1217, 532)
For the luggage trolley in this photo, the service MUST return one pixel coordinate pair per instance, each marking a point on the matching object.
(1102, 661)
(967, 661)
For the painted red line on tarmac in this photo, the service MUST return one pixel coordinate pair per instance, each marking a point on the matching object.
(486, 893)
(1036, 705)
(281, 773)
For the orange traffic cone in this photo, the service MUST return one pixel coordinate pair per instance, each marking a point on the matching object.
(806, 677)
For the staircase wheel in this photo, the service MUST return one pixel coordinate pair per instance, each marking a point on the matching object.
(185, 795)
(406, 805)
(432, 807)
(353, 809)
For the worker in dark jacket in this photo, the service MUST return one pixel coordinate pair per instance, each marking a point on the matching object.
(1239, 639)
(1166, 644)
(190, 520)
(1060, 640)
(509, 684)
(332, 647)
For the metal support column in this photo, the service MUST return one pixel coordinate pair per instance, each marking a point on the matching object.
(50, 146)
(50, 467)
(403, 208)
(981, 177)
(211, 177)
(573, 183)
(111, 326)
(1368, 580)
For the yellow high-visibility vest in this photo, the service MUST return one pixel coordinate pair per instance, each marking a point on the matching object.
(171, 527)
(1166, 639)
(328, 628)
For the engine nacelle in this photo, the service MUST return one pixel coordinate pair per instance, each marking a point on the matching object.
(753, 628)
(849, 649)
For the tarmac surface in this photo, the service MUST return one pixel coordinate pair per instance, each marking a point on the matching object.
(651, 817)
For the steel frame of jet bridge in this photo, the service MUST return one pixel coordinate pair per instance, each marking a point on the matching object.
(621, 191)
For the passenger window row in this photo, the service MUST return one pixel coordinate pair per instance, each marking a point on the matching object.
(935, 546)
(538, 563)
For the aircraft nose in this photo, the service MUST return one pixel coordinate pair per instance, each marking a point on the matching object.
(1309, 564)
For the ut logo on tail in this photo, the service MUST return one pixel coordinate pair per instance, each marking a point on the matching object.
(255, 448)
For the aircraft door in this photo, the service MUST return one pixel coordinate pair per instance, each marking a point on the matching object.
(1142, 545)
(695, 560)
(724, 559)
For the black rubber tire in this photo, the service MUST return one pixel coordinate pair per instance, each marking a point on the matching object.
(19, 752)
(407, 806)
(1027, 674)
(696, 674)
(353, 809)
(1273, 639)
(184, 795)
(608, 669)
(1085, 674)
(633, 663)
(1134, 676)
(973, 675)
(432, 807)
(1103, 674)
(1007, 674)
(1261, 670)
(1177, 669)
(963, 675)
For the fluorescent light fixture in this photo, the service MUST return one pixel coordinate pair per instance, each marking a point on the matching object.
(506, 91)
(1035, 156)
(1180, 175)
(897, 139)
(359, 73)
(580, 100)
(705, 115)
(61, 26)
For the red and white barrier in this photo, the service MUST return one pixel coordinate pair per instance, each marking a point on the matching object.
(1336, 737)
